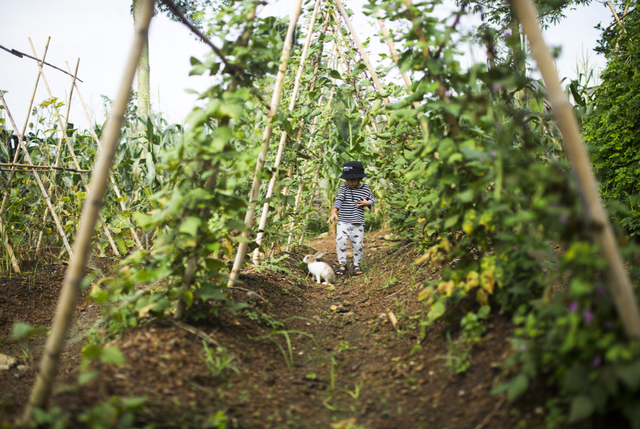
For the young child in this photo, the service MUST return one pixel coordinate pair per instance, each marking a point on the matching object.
(352, 198)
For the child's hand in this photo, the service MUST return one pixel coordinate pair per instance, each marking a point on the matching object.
(363, 203)
(334, 216)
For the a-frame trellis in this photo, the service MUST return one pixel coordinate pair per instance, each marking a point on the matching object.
(619, 281)
(38, 170)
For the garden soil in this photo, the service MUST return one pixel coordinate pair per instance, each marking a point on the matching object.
(304, 355)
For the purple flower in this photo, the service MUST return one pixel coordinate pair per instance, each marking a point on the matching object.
(495, 87)
(564, 218)
(601, 291)
(506, 35)
(597, 361)
(392, 6)
(514, 248)
(587, 316)
(447, 93)
(493, 154)
(573, 306)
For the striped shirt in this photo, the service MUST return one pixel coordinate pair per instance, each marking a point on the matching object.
(346, 203)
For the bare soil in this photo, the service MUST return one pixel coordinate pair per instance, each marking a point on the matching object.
(346, 364)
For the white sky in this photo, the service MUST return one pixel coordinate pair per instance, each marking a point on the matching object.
(100, 33)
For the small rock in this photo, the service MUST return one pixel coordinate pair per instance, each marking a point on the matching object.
(461, 393)
(539, 411)
(7, 362)
(22, 368)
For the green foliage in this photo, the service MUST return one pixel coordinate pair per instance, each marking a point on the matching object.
(611, 130)
(218, 361)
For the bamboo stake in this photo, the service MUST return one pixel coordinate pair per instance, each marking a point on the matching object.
(42, 167)
(283, 137)
(38, 180)
(63, 127)
(273, 110)
(132, 230)
(618, 279)
(55, 342)
(405, 76)
(14, 261)
(303, 174)
(363, 53)
(615, 15)
(52, 183)
(24, 128)
(7, 245)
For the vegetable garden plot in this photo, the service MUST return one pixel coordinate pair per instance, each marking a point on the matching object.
(466, 165)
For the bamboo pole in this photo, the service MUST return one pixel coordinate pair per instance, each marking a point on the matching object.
(42, 167)
(615, 15)
(52, 184)
(618, 279)
(38, 180)
(303, 173)
(132, 230)
(363, 53)
(283, 137)
(405, 76)
(14, 261)
(24, 128)
(55, 341)
(273, 110)
(63, 127)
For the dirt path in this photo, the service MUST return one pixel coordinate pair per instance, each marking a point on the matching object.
(309, 356)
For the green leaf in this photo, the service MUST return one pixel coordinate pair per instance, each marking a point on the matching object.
(334, 74)
(190, 225)
(437, 310)
(86, 377)
(517, 387)
(23, 330)
(91, 351)
(112, 356)
(581, 408)
(484, 311)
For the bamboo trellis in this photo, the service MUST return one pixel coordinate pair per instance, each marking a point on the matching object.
(602, 231)
(13, 166)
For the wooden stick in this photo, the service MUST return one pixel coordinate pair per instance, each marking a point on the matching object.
(615, 15)
(132, 230)
(273, 110)
(41, 167)
(618, 279)
(63, 127)
(24, 128)
(38, 180)
(75, 273)
(4, 235)
(52, 184)
(405, 76)
(363, 53)
(303, 173)
(283, 137)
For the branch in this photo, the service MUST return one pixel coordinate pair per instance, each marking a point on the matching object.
(22, 54)
(172, 7)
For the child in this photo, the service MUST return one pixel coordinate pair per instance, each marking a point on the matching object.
(352, 198)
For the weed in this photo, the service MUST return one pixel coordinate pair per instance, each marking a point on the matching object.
(219, 361)
(356, 391)
(264, 319)
(458, 357)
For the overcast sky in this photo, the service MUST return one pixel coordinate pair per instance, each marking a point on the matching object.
(100, 33)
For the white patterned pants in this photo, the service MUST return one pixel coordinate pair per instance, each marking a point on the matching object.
(350, 232)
